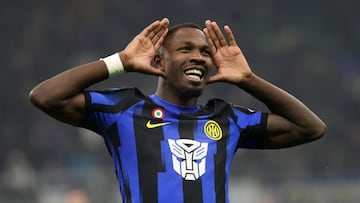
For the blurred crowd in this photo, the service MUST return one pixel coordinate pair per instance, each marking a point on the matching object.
(309, 48)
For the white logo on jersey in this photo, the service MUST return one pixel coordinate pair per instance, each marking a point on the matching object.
(189, 157)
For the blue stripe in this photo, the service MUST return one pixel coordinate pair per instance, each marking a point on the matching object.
(128, 154)
(105, 99)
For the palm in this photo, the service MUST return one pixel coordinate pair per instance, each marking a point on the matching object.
(142, 49)
(231, 64)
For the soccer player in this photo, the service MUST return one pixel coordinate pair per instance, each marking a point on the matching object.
(165, 146)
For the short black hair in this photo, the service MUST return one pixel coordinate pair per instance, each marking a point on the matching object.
(175, 28)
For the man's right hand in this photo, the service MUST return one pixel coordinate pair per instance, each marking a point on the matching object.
(139, 53)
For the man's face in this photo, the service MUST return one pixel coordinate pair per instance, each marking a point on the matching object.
(186, 57)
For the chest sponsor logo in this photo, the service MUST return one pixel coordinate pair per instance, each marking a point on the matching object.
(188, 157)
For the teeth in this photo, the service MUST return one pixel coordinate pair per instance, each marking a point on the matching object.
(194, 76)
(194, 72)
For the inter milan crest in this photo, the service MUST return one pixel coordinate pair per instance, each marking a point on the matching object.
(213, 130)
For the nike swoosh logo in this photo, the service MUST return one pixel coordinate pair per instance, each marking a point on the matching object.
(155, 125)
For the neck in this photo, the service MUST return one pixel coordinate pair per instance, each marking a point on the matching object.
(176, 97)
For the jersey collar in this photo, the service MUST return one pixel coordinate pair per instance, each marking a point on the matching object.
(174, 107)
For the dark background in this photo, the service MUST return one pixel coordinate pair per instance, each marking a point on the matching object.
(309, 48)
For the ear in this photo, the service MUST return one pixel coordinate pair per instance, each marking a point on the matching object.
(158, 63)
(156, 59)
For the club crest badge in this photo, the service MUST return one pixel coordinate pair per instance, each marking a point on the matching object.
(213, 130)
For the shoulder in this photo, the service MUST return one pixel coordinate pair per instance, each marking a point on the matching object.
(112, 97)
(221, 105)
(116, 91)
(222, 108)
(112, 94)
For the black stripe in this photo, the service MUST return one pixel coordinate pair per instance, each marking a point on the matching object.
(148, 150)
(220, 161)
(221, 112)
(257, 131)
(192, 189)
(113, 133)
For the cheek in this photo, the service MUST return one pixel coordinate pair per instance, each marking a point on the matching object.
(174, 65)
(211, 68)
(171, 71)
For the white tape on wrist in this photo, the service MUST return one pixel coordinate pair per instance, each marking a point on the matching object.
(113, 65)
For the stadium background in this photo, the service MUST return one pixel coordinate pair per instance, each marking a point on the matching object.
(310, 48)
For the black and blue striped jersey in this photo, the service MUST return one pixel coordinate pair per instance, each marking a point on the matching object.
(164, 152)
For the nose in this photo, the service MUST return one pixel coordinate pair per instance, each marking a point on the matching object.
(196, 56)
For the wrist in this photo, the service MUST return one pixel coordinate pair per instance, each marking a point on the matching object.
(247, 80)
(114, 65)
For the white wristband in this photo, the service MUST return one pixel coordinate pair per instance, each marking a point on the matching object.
(114, 65)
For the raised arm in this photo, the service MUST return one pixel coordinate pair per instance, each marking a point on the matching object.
(290, 122)
(62, 95)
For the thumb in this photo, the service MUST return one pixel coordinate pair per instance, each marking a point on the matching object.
(156, 71)
(215, 78)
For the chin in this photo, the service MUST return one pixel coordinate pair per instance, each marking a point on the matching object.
(191, 92)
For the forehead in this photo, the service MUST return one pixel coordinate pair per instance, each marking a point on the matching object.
(186, 35)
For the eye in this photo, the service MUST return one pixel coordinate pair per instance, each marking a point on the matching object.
(185, 49)
(206, 52)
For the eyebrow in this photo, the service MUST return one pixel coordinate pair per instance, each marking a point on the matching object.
(189, 43)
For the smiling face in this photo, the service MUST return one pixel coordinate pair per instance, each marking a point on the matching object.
(186, 58)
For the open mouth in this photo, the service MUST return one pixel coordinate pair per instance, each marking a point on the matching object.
(195, 73)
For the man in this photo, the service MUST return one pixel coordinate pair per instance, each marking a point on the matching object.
(166, 147)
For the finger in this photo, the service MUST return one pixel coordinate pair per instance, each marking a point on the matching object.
(210, 41)
(219, 35)
(150, 30)
(230, 36)
(157, 34)
(215, 78)
(158, 40)
(161, 31)
(212, 34)
(155, 71)
(160, 28)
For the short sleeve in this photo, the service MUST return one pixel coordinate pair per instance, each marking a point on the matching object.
(252, 125)
(104, 107)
